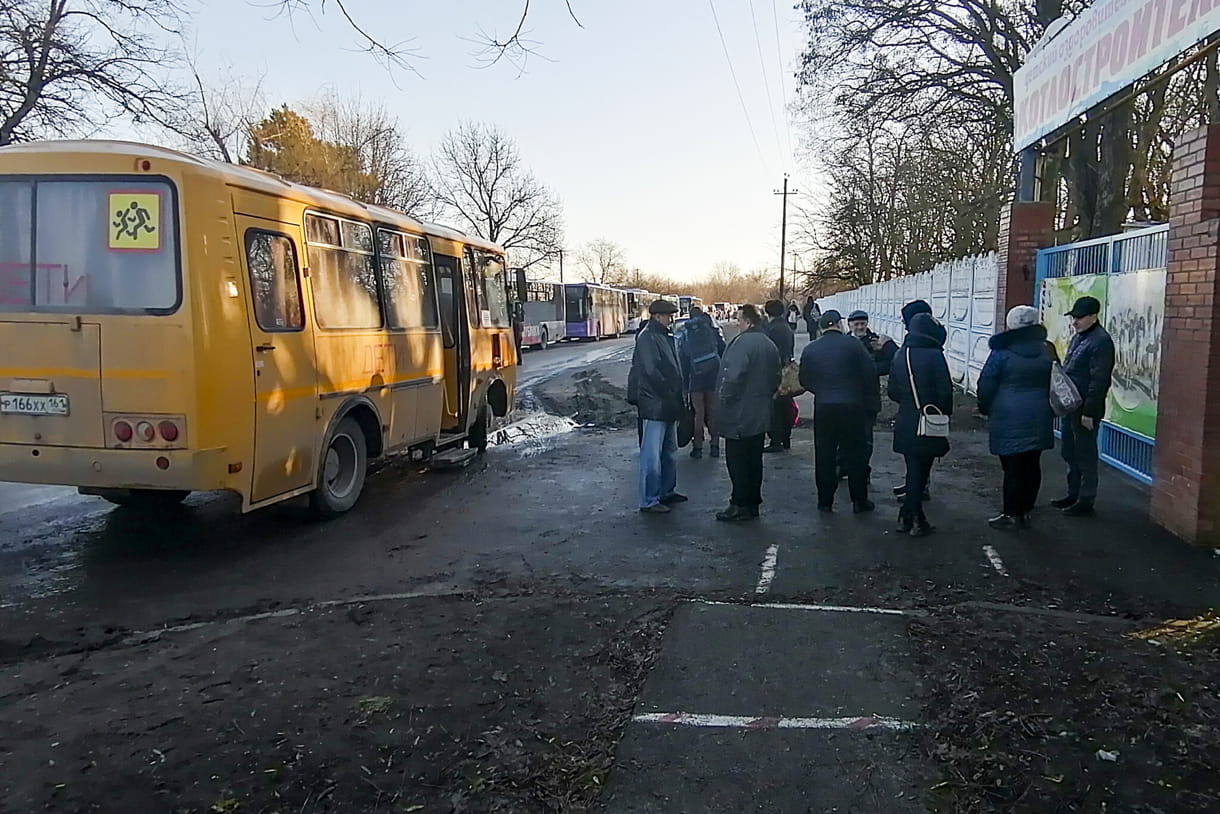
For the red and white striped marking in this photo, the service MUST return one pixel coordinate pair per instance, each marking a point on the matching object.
(768, 569)
(813, 607)
(993, 557)
(870, 722)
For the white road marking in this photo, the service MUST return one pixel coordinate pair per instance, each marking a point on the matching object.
(808, 607)
(994, 557)
(147, 636)
(768, 569)
(765, 722)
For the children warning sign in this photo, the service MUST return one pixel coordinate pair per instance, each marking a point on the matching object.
(135, 222)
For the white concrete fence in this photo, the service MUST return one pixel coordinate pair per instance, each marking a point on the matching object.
(962, 294)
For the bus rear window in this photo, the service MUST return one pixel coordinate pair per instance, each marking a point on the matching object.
(92, 247)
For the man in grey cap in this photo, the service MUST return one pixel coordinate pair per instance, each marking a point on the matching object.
(654, 387)
(1090, 366)
(881, 350)
(846, 400)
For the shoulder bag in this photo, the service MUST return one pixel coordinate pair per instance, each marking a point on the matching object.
(932, 422)
(790, 380)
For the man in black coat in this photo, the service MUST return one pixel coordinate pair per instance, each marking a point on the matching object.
(881, 350)
(846, 399)
(1090, 366)
(654, 387)
(780, 332)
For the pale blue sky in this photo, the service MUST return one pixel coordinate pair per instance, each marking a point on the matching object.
(633, 120)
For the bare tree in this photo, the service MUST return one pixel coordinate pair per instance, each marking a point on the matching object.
(68, 65)
(393, 175)
(516, 46)
(482, 182)
(214, 119)
(604, 261)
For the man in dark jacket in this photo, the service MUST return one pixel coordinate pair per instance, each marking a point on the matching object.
(749, 377)
(699, 352)
(1090, 366)
(781, 333)
(846, 399)
(654, 386)
(881, 350)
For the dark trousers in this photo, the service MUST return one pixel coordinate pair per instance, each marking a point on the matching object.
(840, 433)
(1079, 449)
(744, 459)
(781, 421)
(1022, 480)
(919, 468)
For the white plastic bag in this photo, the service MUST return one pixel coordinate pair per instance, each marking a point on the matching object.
(1065, 398)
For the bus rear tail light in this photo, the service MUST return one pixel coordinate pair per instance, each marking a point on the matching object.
(147, 431)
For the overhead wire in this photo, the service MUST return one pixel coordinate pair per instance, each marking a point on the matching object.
(779, 54)
(762, 63)
(740, 97)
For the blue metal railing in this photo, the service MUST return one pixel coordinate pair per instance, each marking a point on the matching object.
(1147, 248)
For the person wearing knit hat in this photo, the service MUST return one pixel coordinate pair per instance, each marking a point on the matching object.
(1014, 392)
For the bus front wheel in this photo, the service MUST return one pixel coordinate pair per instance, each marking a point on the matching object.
(342, 471)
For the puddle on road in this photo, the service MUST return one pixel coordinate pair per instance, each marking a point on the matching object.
(533, 434)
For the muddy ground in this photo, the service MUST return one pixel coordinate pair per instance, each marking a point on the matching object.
(480, 640)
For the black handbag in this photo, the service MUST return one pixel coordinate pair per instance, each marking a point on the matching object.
(686, 425)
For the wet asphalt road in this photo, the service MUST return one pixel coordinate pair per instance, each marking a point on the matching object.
(56, 545)
(443, 590)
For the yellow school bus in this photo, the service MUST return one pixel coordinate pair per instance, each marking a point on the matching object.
(170, 324)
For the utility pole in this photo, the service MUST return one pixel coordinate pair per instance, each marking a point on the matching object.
(783, 235)
(561, 266)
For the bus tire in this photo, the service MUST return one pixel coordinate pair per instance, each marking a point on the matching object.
(480, 430)
(341, 471)
(597, 333)
(545, 341)
(150, 500)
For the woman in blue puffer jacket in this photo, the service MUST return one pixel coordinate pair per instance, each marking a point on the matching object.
(1014, 391)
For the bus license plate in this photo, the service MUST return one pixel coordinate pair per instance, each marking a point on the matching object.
(26, 404)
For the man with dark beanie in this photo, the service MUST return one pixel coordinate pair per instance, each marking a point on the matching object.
(780, 332)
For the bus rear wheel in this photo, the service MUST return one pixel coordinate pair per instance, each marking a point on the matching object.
(342, 471)
(545, 340)
(151, 500)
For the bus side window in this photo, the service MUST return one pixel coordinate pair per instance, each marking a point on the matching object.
(274, 281)
(344, 273)
(408, 280)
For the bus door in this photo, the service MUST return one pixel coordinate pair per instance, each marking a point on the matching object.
(456, 332)
(285, 365)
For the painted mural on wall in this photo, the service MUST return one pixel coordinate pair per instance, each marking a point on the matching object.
(1058, 295)
(1135, 312)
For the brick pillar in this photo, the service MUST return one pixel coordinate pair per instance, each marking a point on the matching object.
(1025, 227)
(1186, 464)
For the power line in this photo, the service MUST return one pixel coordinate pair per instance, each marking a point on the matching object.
(741, 98)
(766, 82)
(779, 55)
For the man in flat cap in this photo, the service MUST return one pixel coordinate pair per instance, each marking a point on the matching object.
(654, 387)
(846, 400)
(1090, 366)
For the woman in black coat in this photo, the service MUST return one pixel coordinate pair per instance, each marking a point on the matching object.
(924, 347)
(1015, 391)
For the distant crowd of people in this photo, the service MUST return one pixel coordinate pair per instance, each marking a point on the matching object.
(742, 392)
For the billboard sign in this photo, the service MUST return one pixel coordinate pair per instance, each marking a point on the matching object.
(1110, 45)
